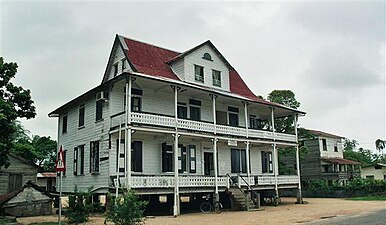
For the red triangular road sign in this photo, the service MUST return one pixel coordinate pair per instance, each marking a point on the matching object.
(60, 164)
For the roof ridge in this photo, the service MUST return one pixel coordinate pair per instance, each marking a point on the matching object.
(132, 39)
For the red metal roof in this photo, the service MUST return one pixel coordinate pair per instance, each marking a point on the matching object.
(340, 161)
(153, 60)
(150, 59)
(324, 134)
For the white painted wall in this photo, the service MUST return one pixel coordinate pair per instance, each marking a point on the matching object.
(195, 58)
(378, 174)
(331, 142)
(75, 136)
(117, 57)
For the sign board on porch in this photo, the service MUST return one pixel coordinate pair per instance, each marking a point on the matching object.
(232, 142)
(60, 166)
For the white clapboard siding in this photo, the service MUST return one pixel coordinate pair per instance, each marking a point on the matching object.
(117, 57)
(178, 68)
(331, 142)
(75, 136)
(195, 58)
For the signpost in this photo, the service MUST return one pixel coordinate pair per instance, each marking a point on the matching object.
(60, 167)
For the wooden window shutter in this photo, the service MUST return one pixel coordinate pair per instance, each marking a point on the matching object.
(164, 158)
(192, 159)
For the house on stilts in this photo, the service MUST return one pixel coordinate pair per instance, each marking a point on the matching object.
(193, 126)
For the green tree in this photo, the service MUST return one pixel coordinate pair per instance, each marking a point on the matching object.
(39, 150)
(287, 98)
(380, 145)
(286, 125)
(364, 156)
(15, 102)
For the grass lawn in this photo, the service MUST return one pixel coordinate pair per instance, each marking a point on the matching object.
(369, 198)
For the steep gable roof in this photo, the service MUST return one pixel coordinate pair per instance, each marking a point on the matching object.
(153, 60)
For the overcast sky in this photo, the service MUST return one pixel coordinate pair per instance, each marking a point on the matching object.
(332, 55)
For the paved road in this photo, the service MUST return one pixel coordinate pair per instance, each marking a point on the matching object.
(375, 218)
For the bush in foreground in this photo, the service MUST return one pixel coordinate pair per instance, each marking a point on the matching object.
(127, 210)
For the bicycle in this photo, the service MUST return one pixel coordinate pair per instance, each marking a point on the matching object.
(207, 207)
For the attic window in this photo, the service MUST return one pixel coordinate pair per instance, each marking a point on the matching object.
(207, 56)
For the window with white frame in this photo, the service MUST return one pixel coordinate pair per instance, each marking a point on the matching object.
(216, 76)
(94, 157)
(199, 73)
(78, 167)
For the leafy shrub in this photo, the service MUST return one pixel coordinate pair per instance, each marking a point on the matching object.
(78, 207)
(318, 186)
(127, 210)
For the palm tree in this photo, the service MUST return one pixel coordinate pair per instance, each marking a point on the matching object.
(380, 145)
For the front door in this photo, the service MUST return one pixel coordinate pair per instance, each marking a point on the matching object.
(208, 164)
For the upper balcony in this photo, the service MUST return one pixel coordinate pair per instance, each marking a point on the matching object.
(155, 103)
(158, 120)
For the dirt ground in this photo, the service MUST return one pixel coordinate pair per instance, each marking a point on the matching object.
(286, 213)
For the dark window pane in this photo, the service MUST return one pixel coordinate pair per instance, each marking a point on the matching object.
(195, 113)
(136, 157)
(235, 161)
(243, 160)
(135, 104)
(64, 125)
(182, 112)
(81, 116)
(233, 119)
(99, 110)
(199, 73)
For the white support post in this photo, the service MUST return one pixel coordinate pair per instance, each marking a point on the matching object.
(119, 159)
(299, 194)
(246, 118)
(214, 112)
(247, 143)
(215, 169)
(248, 166)
(275, 157)
(216, 195)
(176, 208)
(128, 132)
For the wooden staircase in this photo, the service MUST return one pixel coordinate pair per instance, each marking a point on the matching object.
(241, 200)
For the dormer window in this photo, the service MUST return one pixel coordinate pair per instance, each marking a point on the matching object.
(199, 73)
(207, 56)
(216, 76)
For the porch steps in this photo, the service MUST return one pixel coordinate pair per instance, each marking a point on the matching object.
(241, 200)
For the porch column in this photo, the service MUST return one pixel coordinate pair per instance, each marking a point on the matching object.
(275, 157)
(176, 208)
(128, 131)
(247, 143)
(216, 196)
(248, 166)
(299, 194)
(214, 112)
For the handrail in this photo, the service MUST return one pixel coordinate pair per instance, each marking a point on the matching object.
(230, 178)
(249, 187)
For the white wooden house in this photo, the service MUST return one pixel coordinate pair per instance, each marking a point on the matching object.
(193, 124)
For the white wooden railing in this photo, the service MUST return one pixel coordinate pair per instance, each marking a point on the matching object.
(169, 121)
(167, 181)
(281, 179)
(195, 125)
(183, 181)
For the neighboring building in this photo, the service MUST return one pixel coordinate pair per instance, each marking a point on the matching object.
(325, 161)
(192, 123)
(47, 181)
(17, 174)
(29, 200)
(377, 171)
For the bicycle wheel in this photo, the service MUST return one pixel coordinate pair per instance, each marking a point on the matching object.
(205, 207)
(217, 207)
